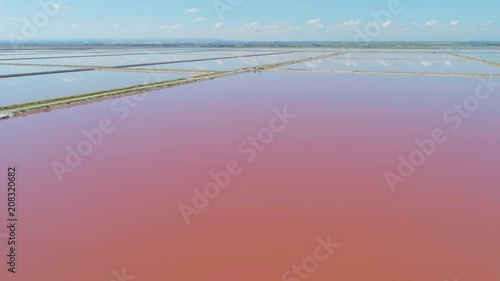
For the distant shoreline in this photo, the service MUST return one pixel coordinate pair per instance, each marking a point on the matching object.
(75, 45)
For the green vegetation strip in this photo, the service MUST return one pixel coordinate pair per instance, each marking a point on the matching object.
(63, 102)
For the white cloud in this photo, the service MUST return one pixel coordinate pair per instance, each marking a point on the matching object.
(485, 26)
(199, 19)
(269, 28)
(454, 23)
(177, 26)
(192, 10)
(219, 25)
(280, 28)
(250, 26)
(431, 23)
(10, 18)
(164, 26)
(351, 23)
(387, 23)
(313, 22)
(58, 7)
(488, 23)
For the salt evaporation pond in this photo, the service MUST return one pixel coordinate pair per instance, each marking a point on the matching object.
(16, 69)
(24, 55)
(322, 175)
(396, 55)
(386, 65)
(42, 87)
(134, 59)
(235, 63)
(117, 60)
(495, 57)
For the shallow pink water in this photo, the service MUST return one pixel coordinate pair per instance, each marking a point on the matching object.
(323, 175)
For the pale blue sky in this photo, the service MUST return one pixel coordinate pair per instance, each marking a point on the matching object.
(251, 19)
